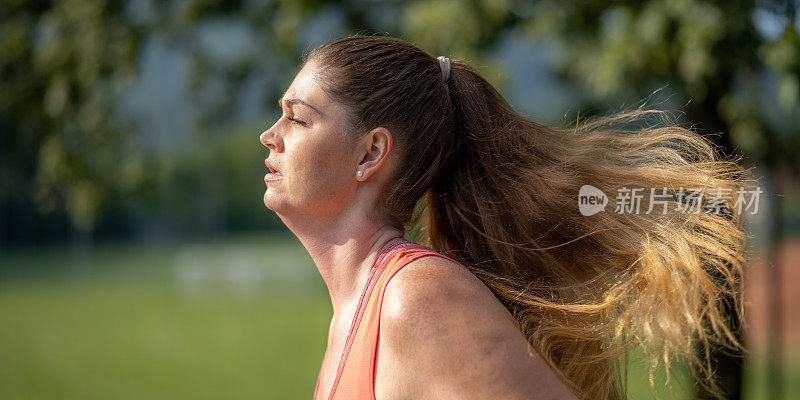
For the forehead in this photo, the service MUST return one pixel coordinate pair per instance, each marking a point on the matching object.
(306, 87)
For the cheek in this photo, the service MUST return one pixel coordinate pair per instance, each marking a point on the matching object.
(323, 176)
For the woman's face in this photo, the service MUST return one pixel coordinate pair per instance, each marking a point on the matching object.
(309, 147)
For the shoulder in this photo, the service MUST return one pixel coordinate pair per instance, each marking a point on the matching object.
(430, 279)
(431, 285)
(432, 291)
(450, 337)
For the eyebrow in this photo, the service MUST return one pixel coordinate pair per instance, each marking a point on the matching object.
(290, 102)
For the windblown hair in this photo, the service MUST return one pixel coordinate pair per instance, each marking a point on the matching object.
(498, 192)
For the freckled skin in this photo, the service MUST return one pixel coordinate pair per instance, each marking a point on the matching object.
(445, 336)
(315, 159)
(443, 333)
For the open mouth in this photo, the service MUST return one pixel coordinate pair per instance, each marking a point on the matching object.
(272, 169)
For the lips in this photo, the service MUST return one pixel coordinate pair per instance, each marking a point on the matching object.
(272, 169)
(273, 174)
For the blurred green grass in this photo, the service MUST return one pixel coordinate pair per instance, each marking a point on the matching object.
(139, 342)
(239, 318)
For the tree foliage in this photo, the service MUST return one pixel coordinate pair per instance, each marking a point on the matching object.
(65, 66)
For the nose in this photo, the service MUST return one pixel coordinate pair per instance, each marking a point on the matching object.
(271, 139)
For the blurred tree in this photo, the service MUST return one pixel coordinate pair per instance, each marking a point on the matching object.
(67, 157)
(710, 54)
(732, 66)
(62, 65)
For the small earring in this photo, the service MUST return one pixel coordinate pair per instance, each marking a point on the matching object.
(360, 173)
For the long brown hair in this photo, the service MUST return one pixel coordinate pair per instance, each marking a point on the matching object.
(498, 192)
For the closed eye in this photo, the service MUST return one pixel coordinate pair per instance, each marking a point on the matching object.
(296, 121)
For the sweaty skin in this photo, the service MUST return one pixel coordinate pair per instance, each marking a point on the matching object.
(443, 334)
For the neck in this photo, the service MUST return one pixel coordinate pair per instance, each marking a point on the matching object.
(344, 249)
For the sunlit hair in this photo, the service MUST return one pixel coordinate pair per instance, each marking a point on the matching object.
(498, 192)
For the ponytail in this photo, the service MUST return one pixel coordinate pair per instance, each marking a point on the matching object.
(498, 192)
(585, 290)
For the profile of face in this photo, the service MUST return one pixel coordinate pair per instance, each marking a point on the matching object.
(316, 160)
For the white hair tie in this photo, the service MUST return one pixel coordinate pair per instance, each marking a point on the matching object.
(444, 64)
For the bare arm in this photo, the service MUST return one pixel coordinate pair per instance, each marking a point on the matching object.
(450, 338)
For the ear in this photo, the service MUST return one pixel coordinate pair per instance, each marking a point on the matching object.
(374, 151)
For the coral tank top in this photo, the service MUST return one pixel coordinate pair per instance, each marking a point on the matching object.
(355, 376)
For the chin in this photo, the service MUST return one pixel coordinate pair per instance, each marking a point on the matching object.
(274, 203)
(268, 201)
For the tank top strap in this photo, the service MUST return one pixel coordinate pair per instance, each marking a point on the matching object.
(355, 378)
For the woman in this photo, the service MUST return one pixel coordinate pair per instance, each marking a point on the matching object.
(516, 294)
